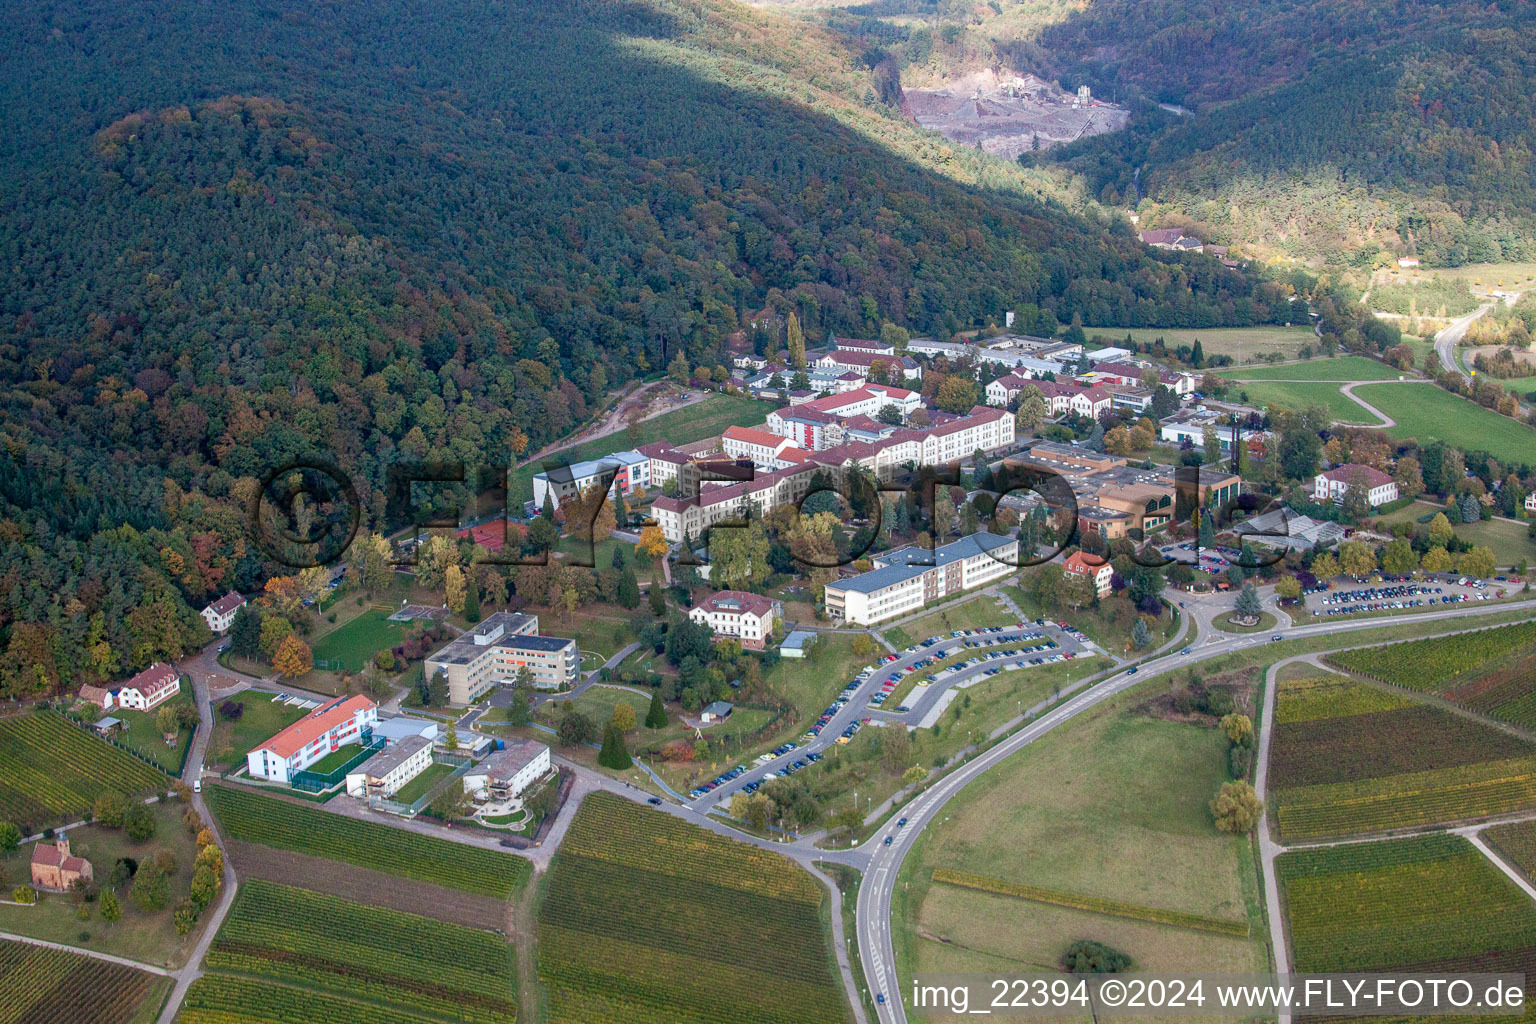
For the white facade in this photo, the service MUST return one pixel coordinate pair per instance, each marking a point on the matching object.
(220, 615)
(507, 773)
(738, 616)
(1332, 485)
(903, 582)
(323, 731)
(387, 773)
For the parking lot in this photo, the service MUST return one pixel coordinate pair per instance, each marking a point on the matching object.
(989, 651)
(1390, 593)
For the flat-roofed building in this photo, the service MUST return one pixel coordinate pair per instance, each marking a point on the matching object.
(497, 650)
(387, 771)
(908, 578)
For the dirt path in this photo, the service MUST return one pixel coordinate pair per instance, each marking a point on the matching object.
(520, 929)
(614, 420)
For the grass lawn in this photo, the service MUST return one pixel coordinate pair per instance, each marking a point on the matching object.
(1295, 396)
(1510, 542)
(1224, 622)
(1247, 342)
(681, 426)
(1109, 625)
(600, 555)
(1340, 368)
(149, 938)
(969, 614)
(351, 645)
(262, 718)
(142, 734)
(1080, 812)
(603, 628)
(422, 784)
(1429, 413)
(335, 759)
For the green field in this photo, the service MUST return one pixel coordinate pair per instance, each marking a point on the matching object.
(414, 965)
(724, 931)
(349, 646)
(286, 825)
(48, 985)
(51, 770)
(147, 937)
(1517, 843)
(681, 426)
(261, 719)
(1339, 368)
(1109, 851)
(422, 784)
(1246, 342)
(969, 614)
(1427, 904)
(1428, 413)
(1295, 396)
(1509, 541)
(1348, 758)
(142, 734)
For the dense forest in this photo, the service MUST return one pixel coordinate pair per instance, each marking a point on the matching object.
(239, 234)
(1324, 130)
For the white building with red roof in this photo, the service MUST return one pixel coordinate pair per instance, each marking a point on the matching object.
(1335, 483)
(324, 730)
(1096, 571)
(738, 615)
(763, 448)
(221, 614)
(896, 367)
(150, 688)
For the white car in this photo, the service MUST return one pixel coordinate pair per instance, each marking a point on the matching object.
(197, 785)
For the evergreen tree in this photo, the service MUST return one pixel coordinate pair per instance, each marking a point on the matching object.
(618, 561)
(629, 589)
(658, 601)
(245, 633)
(1470, 508)
(656, 717)
(1197, 356)
(548, 511)
(437, 689)
(613, 753)
(1248, 604)
(471, 601)
(1141, 635)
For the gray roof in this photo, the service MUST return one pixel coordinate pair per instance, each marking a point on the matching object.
(797, 638)
(503, 764)
(908, 563)
(392, 757)
(719, 708)
(401, 726)
(463, 649)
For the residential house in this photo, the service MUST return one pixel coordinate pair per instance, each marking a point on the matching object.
(1334, 483)
(738, 615)
(1097, 572)
(149, 688)
(220, 615)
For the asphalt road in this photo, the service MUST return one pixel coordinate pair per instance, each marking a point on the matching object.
(1447, 340)
(920, 700)
(873, 919)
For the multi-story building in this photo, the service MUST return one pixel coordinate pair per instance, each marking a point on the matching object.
(323, 731)
(499, 648)
(763, 448)
(150, 688)
(896, 367)
(908, 578)
(738, 615)
(508, 772)
(1097, 572)
(387, 771)
(220, 615)
(629, 470)
(1333, 484)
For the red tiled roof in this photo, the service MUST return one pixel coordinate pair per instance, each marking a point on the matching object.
(226, 604)
(756, 604)
(152, 680)
(757, 437)
(315, 724)
(1080, 566)
(1372, 476)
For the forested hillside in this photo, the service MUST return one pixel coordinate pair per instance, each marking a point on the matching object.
(1323, 129)
(234, 234)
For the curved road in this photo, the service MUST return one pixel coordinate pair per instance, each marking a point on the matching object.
(1447, 340)
(873, 918)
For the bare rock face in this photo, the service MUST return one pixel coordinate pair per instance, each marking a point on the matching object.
(1006, 113)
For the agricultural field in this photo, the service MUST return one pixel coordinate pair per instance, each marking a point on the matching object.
(725, 931)
(51, 770)
(681, 426)
(228, 999)
(1347, 758)
(1429, 413)
(1241, 343)
(287, 825)
(47, 985)
(1295, 396)
(1431, 664)
(1516, 843)
(349, 646)
(1072, 838)
(412, 964)
(1339, 368)
(1427, 904)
